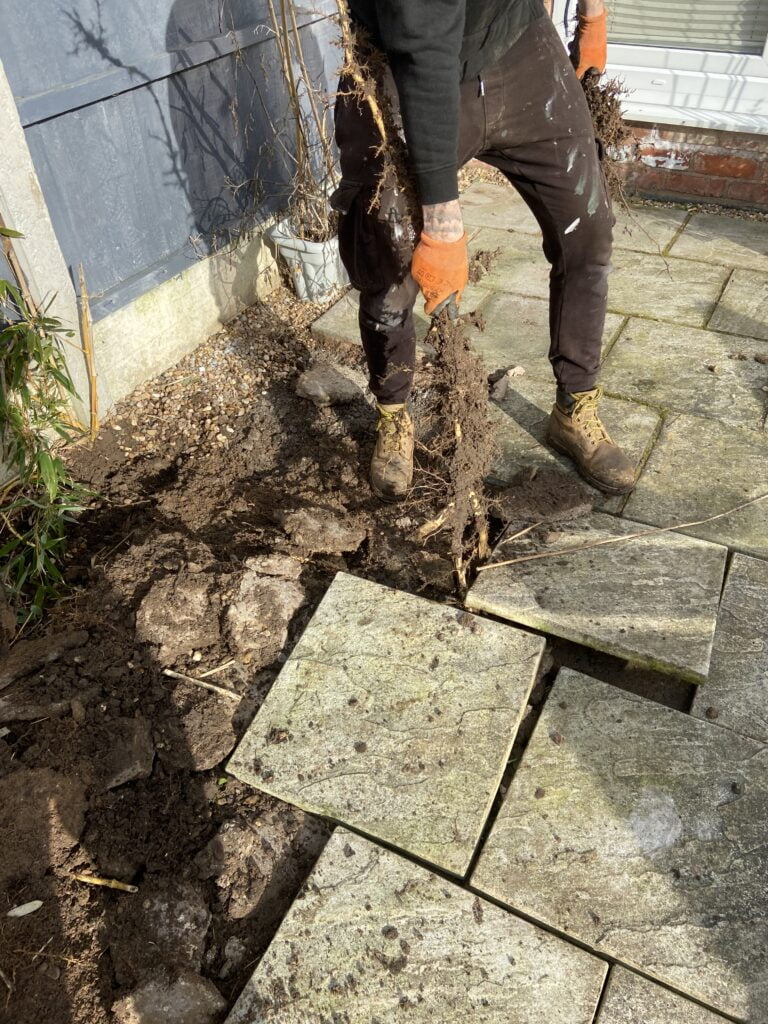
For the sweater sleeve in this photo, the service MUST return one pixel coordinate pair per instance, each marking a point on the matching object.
(423, 40)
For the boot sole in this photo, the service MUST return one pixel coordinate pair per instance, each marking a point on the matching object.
(605, 488)
(390, 499)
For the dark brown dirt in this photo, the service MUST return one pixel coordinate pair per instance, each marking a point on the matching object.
(481, 263)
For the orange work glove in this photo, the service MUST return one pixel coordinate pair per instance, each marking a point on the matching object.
(440, 269)
(591, 50)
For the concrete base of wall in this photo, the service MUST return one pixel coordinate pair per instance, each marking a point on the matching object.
(156, 330)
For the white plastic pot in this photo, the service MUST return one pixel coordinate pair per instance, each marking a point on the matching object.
(315, 267)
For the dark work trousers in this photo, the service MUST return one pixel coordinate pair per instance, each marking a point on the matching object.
(527, 116)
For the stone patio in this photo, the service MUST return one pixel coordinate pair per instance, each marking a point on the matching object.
(637, 831)
(396, 716)
(376, 939)
(641, 832)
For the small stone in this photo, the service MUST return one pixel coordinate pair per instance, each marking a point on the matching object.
(129, 752)
(324, 385)
(539, 792)
(712, 713)
(187, 999)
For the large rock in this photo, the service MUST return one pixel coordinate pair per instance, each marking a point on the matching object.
(260, 613)
(188, 999)
(178, 614)
(324, 385)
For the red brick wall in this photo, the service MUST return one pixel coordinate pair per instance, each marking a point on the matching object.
(697, 164)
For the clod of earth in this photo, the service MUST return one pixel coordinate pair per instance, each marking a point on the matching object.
(259, 615)
(324, 385)
(317, 529)
(180, 613)
(187, 999)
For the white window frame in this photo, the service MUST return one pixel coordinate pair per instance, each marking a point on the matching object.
(699, 88)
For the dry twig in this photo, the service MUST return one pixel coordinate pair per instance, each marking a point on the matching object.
(200, 682)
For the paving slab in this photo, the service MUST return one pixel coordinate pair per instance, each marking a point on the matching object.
(743, 309)
(396, 716)
(631, 999)
(521, 426)
(686, 369)
(640, 831)
(700, 468)
(652, 600)
(340, 324)
(375, 939)
(516, 333)
(642, 228)
(732, 241)
(736, 694)
(664, 288)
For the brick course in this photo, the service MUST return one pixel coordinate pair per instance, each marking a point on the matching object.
(692, 163)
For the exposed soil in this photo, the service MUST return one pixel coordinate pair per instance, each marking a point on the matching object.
(225, 504)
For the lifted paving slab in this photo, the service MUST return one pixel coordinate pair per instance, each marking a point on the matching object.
(743, 309)
(652, 600)
(699, 468)
(732, 241)
(375, 938)
(521, 426)
(736, 694)
(396, 716)
(685, 369)
(640, 831)
(630, 999)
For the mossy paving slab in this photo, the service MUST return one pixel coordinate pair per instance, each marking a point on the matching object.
(736, 694)
(685, 369)
(375, 939)
(521, 420)
(700, 468)
(640, 831)
(732, 241)
(652, 600)
(630, 999)
(396, 716)
(516, 333)
(743, 309)
(664, 288)
(642, 228)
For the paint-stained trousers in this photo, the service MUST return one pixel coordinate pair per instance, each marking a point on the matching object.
(527, 116)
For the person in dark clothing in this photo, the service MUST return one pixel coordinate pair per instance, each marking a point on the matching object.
(488, 79)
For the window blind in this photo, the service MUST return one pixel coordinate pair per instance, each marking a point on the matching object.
(733, 26)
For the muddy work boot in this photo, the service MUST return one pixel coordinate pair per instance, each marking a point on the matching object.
(575, 429)
(392, 461)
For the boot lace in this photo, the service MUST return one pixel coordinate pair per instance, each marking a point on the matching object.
(585, 412)
(393, 431)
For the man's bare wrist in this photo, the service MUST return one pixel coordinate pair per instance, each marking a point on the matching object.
(591, 8)
(442, 221)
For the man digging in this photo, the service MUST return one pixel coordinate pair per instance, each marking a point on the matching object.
(487, 79)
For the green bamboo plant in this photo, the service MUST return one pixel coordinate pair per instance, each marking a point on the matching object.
(38, 497)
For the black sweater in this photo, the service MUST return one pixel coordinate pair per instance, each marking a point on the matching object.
(432, 45)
